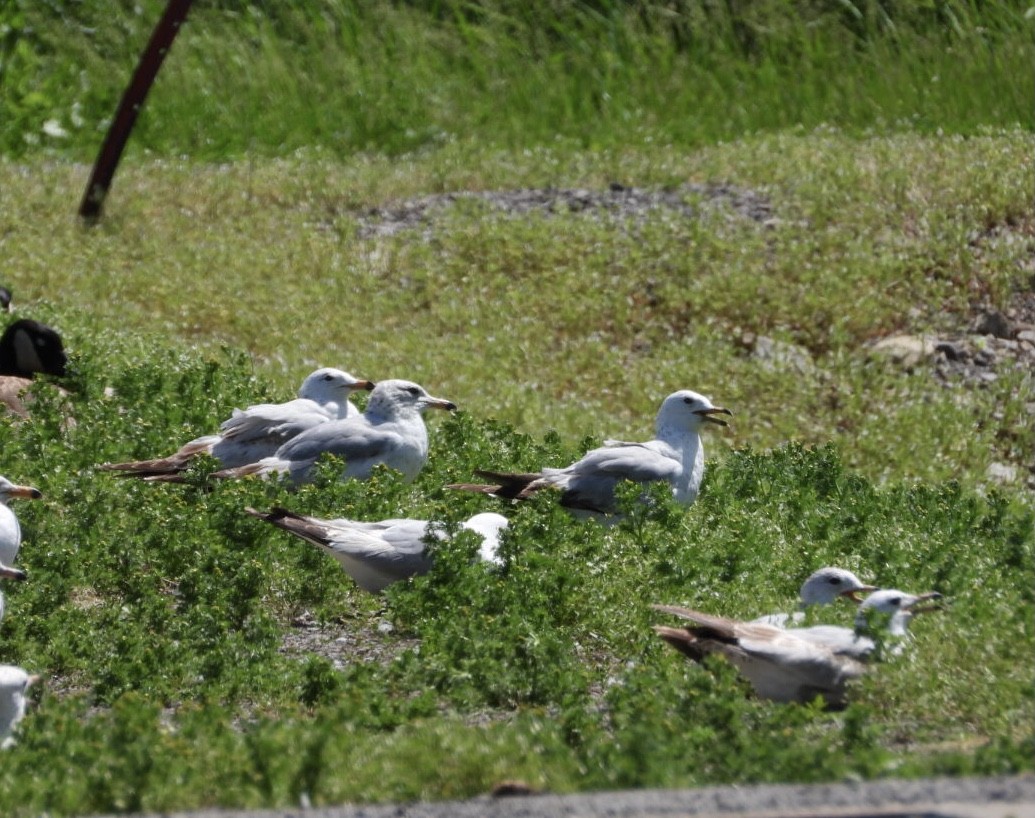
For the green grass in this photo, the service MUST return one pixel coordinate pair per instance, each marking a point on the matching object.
(395, 77)
(600, 320)
(892, 143)
(157, 612)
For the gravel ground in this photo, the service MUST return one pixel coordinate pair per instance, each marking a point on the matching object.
(930, 798)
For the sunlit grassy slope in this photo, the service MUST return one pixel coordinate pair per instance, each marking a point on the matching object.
(573, 322)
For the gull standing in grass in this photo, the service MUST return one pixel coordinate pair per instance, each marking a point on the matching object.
(787, 665)
(10, 530)
(823, 587)
(391, 432)
(675, 456)
(380, 553)
(258, 431)
(14, 683)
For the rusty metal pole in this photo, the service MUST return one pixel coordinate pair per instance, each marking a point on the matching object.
(132, 101)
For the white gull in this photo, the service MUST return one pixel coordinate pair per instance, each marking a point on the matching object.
(377, 554)
(787, 665)
(675, 456)
(390, 432)
(14, 682)
(258, 431)
(10, 530)
(823, 587)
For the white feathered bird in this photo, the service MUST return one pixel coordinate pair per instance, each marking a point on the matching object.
(377, 554)
(258, 431)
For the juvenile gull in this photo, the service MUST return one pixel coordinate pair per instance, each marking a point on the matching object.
(10, 530)
(258, 431)
(377, 554)
(823, 587)
(391, 432)
(785, 665)
(675, 456)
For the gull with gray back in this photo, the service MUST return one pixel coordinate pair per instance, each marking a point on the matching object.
(258, 431)
(788, 665)
(377, 554)
(675, 456)
(390, 432)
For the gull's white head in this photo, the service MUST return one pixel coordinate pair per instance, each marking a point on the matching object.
(392, 398)
(688, 409)
(14, 682)
(827, 585)
(9, 490)
(489, 525)
(899, 605)
(328, 385)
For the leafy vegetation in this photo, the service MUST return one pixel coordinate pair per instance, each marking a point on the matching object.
(398, 77)
(855, 169)
(158, 614)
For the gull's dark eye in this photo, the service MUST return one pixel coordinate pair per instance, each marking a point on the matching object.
(688, 401)
(413, 390)
(896, 601)
(834, 580)
(328, 377)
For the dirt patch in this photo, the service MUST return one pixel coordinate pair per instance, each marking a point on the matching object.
(616, 202)
(345, 643)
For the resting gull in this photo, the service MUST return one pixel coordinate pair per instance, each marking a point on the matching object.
(788, 665)
(856, 642)
(823, 587)
(377, 554)
(391, 432)
(675, 456)
(258, 431)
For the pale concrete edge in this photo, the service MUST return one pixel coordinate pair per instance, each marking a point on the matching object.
(997, 797)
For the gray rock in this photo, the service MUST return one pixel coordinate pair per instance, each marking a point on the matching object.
(992, 322)
(779, 355)
(1001, 473)
(905, 350)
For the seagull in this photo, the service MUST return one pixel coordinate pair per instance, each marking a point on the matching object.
(14, 682)
(258, 431)
(28, 348)
(10, 531)
(856, 642)
(675, 455)
(823, 587)
(378, 554)
(784, 665)
(390, 432)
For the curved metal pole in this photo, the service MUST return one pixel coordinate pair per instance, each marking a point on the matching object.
(132, 101)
